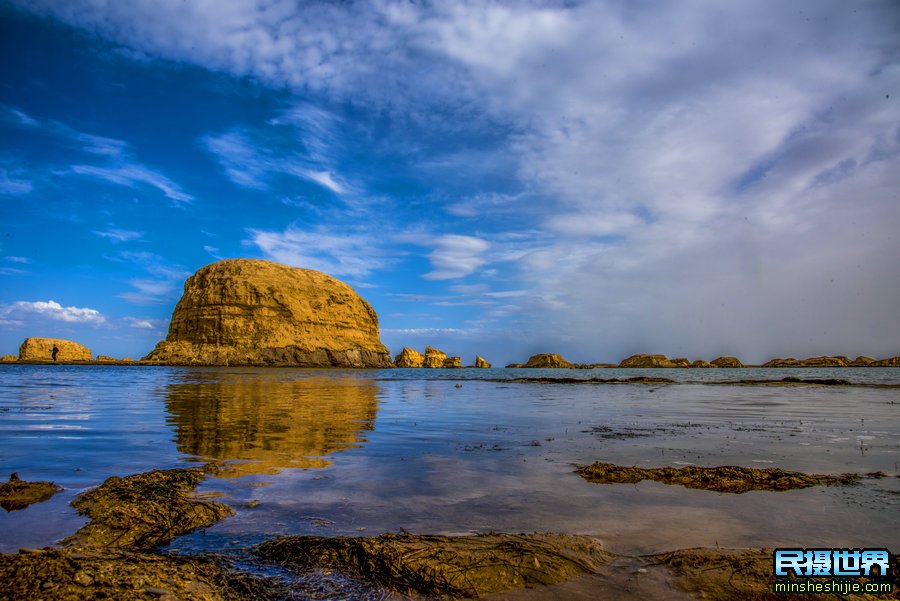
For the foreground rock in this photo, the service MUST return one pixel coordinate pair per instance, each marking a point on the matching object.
(144, 511)
(460, 566)
(41, 349)
(547, 361)
(433, 358)
(409, 358)
(114, 574)
(252, 312)
(733, 479)
(18, 494)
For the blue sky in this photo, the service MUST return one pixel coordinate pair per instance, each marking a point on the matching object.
(592, 178)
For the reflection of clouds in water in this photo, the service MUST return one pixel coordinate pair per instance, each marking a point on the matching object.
(264, 422)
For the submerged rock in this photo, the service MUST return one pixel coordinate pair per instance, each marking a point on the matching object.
(733, 479)
(547, 360)
(409, 358)
(41, 349)
(481, 363)
(433, 358)
(455, 566)
(646, 361)
(144, 511)
(252, 312)
(18, 494)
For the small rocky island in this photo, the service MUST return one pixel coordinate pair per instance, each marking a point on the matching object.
(253, 312)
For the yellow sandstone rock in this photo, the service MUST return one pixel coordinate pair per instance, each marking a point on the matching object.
(433, 357)
(409, 358)
(547, 360)
(646, 361)
(481, 363)
(253, 312)
(41, 349)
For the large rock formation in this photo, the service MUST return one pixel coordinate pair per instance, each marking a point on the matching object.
(547, 360)
(453, 363)
(41, 349)
(727, 362)
(481, 363)
(646, 361)
(891, 362)
(409, 358)
(433, 358)
(252, 312)
(837, 361)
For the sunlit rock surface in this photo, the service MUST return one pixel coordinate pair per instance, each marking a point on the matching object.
(252, 312)
(41, 349)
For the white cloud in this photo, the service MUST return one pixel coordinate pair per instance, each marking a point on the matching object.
(13, 186)
(22, 311)
(335, 254)
(13, 259)
(455, 256)
(131, 174)
(162, 283)
(146, 324)
(117, 235)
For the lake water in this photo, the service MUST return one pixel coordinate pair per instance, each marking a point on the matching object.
(460, 451)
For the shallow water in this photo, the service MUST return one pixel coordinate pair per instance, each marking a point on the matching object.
(364, 452)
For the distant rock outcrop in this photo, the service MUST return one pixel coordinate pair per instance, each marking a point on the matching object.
(252, 312)
(409, 358)
(733, 362)
(681, 362)
(433, 358)
(481, 363)
(547, 361)
(862, 361)
(892, 362)
(8, 359)
(452, 363)
(700, 363)
(41, 349)
(647, 361)
(837, 361)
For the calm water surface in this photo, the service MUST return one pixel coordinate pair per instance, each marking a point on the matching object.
(365, 452)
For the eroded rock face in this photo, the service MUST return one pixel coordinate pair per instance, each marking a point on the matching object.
(700, 363)
(727, 362)
(891, 362)
(253, 312)
(41, 349)
(646, 361)
(481, 363)
(547, 360)
(433, 358)
(452, 363)
(409, 358)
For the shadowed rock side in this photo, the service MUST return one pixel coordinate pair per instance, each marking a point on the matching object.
(252, 312)
(144, 511)
(733, 479)
(18, 494)
(41, 349)
(269, 424)
(460, 566)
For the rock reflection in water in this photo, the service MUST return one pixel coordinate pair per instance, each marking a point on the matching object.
(262, 422)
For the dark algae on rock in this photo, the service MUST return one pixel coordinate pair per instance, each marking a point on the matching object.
(145, 510)
(729, 478)
(54, 574)
(446, 566)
